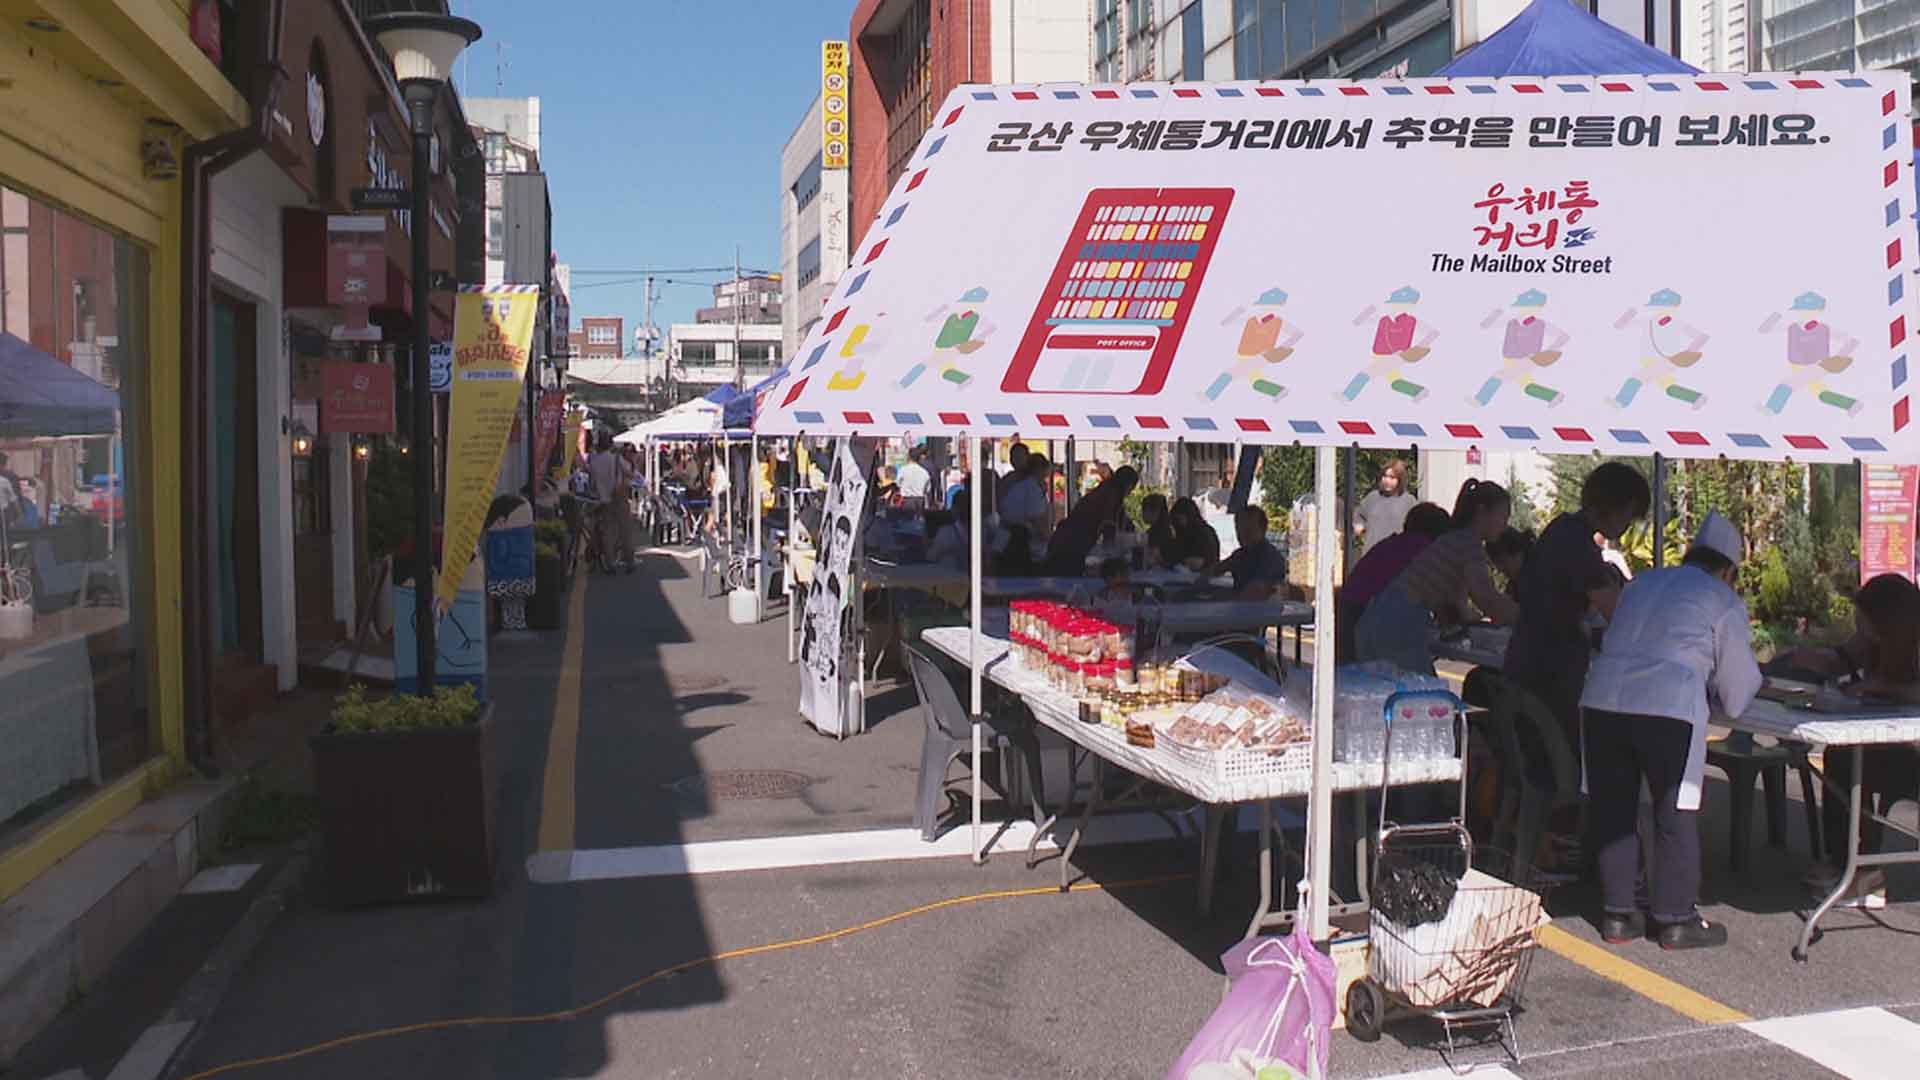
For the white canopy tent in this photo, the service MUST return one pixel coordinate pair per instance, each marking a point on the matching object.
(697, 419)
(1557, 264)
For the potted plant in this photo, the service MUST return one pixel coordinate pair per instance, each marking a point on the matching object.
(543, 607)
(405, 792)
(554, 531)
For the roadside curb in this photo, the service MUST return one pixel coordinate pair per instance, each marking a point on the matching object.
(202, 995)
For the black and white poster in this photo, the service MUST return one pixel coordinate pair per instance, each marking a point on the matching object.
(829, 647)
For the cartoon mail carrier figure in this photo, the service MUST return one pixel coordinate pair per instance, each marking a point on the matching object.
(962, 332)
(1266, 339)
(1814, 348)
(1530, 342)
(863, 341)
(1397, 339)
(1665, 342)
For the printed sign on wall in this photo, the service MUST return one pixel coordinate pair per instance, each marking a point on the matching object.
(356, 397)
(834, 124)
(1887, 496)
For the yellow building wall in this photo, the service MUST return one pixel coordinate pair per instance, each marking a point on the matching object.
(70, 137)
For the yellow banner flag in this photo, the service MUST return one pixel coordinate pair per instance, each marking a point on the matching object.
(492, 330)
(570, 441)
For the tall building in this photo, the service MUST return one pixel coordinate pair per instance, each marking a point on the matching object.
(813, 228)
(1218, 40)
(907, 55)
(701, 354)
(1837, 35)
(1725, 39)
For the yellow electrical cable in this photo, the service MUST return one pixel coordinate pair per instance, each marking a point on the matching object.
(713, 958)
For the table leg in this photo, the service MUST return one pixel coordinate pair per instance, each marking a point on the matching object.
(1812, 929)
(1073, 776)
(1086, 815)
(1266, 870)
(1210, 854)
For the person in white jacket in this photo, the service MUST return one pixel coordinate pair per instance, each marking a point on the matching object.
(1678, 638)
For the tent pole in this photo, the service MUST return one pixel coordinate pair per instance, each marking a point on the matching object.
(1659, 510)
(975, 644)
(1320, 801)
(753, 492)
(1348, 481)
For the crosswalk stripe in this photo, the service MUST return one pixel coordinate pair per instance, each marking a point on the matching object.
(1860, 1044)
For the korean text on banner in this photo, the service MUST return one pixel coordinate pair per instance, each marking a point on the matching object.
(834, 137)
(1887, 497)
(492, 329)
(1521, 263)
(552, 404)
(570, 448)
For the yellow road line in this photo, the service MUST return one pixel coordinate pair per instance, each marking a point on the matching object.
(563, 743)
(1657, 988)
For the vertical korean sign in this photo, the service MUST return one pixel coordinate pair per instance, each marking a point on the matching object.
(1887, 496)
(553, 404)
(492, 329)
(833, 105)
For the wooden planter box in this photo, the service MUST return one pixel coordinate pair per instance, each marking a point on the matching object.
(406, 815)
(549, 583)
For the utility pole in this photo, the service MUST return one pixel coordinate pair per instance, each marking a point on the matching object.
(738, 381)
(646, 330)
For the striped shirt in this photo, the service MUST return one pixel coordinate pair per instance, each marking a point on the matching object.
(1450, 577)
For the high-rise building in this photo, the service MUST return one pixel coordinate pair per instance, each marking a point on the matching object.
(813, 228)
(905, 56)
(1725, 38)
(1838, 35)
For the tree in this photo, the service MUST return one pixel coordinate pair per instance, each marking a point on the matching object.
(1286, 473)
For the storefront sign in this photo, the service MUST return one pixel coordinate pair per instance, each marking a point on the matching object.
(356, 272)
(492, 332)
(440, 366)
(834, 134)
(356, 398)
(553, 403)
(1504, 263)
(383, 173)
(1887, 497)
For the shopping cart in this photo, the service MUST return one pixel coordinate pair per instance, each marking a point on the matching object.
(1465, 966)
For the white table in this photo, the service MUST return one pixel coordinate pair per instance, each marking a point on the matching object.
(1059, 712)
(1838, 732)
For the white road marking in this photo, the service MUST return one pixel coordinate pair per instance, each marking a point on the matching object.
(152, 1052)
(1861, 1044)
(820, 849)
(220, 879)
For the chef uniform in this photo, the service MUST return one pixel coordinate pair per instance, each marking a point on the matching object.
(1677, 636)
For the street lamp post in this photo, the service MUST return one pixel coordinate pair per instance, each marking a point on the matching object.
(422, 48)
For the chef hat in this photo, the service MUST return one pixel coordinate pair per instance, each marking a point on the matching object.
(1405, 294)
(1718, 534)
(1809, 301)
(1273, 297)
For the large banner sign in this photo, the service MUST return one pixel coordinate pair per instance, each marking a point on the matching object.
(492, 329)
(827, 648)
(1693, 265)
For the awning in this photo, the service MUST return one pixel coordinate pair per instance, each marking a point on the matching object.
(1553, 37)
(40, 397)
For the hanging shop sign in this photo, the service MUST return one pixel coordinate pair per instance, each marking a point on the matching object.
(1887, 497)
(492, 332)
(356, 272)
(835, 127)
(440, 366)
(356, 398)
(1584, 264)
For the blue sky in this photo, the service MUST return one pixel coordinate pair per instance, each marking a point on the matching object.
(661, 128)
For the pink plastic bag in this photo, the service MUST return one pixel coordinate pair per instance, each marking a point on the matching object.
(1276, 1021)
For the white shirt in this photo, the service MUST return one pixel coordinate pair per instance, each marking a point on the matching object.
(914, 480)
(1024, 504)
(605, 471)
(1677, 635)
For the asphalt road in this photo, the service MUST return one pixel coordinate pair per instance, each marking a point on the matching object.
(1110, 981)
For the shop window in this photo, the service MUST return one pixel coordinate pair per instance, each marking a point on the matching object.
(74, 652)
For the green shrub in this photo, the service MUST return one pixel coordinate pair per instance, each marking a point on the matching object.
(448, 707)
(1786, 583)
(551, 532)
(544, 550)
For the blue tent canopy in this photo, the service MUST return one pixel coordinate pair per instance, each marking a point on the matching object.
(1553, 37)
(722, 394)
(41, 397)
(739, 411)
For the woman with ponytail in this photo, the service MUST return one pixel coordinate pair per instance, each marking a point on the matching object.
(1446, 583)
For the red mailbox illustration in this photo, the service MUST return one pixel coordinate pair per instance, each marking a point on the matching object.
(1112, 315)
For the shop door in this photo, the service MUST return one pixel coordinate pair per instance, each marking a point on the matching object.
(236, 478)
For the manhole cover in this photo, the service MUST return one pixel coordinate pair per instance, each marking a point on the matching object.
(685, 684)
(731, 784)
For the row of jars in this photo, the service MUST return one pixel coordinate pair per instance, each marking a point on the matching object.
(1092, 658)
